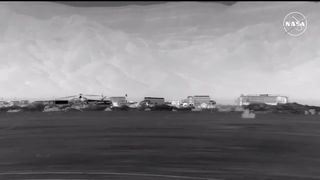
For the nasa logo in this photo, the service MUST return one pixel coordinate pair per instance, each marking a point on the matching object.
(295, 24)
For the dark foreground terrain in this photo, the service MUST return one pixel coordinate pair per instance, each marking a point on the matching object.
(158, 145)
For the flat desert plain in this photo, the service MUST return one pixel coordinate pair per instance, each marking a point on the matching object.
(158, 145)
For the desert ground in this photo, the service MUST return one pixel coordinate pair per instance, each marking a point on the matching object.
(158, 145)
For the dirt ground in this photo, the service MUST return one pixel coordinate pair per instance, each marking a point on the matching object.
(158, 145)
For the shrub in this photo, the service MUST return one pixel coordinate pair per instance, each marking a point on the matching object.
(121, 108)
(162, 107)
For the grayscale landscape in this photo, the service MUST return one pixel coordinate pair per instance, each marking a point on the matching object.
(161, 90)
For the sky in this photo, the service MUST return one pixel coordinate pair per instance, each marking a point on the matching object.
(171, 50)
(124, 3)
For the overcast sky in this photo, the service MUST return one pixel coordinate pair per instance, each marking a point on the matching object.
(172, 50)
